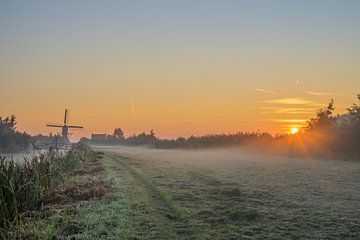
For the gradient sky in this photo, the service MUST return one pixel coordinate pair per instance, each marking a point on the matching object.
(178, 67)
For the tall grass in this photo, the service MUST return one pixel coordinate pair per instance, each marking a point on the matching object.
(23, 185)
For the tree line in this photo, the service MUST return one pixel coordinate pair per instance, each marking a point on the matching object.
(12, 140)
(325, 134)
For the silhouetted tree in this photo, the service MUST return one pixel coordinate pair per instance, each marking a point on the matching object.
(354, 112)
(10, 139)
(152, 133)
(323, 118)
(118, 133)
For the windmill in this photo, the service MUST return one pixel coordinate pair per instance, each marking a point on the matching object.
(65, 128)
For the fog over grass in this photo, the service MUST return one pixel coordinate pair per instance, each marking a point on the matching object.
(296, 197)
(254, 167)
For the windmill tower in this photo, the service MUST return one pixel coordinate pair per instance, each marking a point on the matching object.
(65, 128)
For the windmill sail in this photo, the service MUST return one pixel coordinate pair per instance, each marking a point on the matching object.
(71, 126)
(53, 125)
(65, 117)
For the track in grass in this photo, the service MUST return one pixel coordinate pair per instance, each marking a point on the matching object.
(175, 222)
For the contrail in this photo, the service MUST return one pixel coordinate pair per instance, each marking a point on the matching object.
(132, 108)
(265, 91)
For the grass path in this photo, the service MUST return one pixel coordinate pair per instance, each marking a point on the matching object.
(135, 208)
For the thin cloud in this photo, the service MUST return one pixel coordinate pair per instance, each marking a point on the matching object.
(328, 94)
(292, 101)
(265, 91)
(295, 110)
(319, 93)
(289, 126)
(290, 120)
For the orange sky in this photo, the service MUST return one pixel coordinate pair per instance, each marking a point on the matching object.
(177, 69)
(187, 112)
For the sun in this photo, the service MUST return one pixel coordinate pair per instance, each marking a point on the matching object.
(294, 130)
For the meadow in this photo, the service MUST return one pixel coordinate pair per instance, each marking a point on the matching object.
(223, 194)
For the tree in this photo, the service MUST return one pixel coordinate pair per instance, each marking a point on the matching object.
(10, 139)
(8, 124)
(323, 118)
(118, 133)
(354, 133)
(354, 112)
(152, 133)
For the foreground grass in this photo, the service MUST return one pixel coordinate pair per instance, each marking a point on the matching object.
(162, 198)
(134, 209)
(109, 217)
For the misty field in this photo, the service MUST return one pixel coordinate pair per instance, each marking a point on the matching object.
(224, 194)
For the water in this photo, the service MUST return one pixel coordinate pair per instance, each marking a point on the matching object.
(20, 157)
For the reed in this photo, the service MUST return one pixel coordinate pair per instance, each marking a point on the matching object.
(22, 185)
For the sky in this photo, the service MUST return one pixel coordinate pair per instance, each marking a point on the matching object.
(177, 67)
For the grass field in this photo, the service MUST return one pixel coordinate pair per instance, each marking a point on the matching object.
(223, 194)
